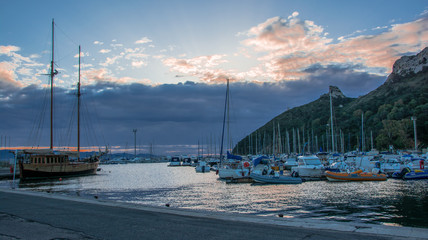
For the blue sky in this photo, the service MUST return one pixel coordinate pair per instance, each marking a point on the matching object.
(160, 66)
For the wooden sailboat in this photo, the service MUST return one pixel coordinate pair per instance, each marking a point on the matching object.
(47, 163)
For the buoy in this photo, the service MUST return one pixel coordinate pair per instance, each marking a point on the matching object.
(60, 179)
(246, 164)
(280, 215)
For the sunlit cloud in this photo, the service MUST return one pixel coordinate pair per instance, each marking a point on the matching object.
(105, 50)
(7, 76)
(206, 68)
(8, 50)
(103, 75)
(143, 40)
(139, 64)
(288, 46)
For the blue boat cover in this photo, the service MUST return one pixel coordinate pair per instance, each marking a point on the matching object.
(258, 160)
(231, 156)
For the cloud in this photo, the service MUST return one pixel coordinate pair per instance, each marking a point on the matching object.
(8, 50)
(105, 51)
(143, 40)
(286, 47)
(206, 68)
(7, 77)
(138, 64)
(182, 113)
(96, 76)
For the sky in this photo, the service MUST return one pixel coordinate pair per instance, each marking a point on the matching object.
(160, 66)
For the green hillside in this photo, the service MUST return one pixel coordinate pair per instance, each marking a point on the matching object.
(386, 111)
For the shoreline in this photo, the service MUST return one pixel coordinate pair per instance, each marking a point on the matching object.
(331, 228)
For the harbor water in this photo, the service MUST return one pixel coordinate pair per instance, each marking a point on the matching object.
(391, 202)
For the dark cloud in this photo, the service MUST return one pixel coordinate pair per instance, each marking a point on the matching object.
(169, 114)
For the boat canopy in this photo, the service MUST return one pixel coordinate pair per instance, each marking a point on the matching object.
(259, 160)
(231, 156)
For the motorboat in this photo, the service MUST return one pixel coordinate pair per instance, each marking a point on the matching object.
(276, 178)
(186, 161)
(290, 161)
(202, 167)
(234, 167)
(309, 168)
(263, 171)
(354, 176)
(174, 162)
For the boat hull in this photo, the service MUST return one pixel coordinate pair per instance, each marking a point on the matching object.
(342, 177)
(272, 179)
(309, 173)
(202, 169)
(35, 171)
(416, 174)
(227, 173)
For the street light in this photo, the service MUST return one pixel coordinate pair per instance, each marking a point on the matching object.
(414, 129)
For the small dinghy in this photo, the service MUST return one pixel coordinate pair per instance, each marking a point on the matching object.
(408, 174)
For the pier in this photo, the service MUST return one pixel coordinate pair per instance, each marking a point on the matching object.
(40, 215)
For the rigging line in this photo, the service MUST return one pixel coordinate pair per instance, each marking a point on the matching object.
(71, 123)
(59, 59)
(95, 115)
(65, 34)
(89, 125)
(35, 133)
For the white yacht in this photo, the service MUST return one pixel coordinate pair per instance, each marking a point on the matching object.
(309, 168)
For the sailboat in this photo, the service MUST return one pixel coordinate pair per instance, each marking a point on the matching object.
(233, 167)
(47, 163)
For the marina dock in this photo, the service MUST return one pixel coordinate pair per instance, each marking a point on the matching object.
(41, 215)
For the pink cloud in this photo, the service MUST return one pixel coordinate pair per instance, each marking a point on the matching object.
(7, 50)
(289, 46)
(94, 76)
(203, 67)
(7, 76)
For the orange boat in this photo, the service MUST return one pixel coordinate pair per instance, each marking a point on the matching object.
(354, 176)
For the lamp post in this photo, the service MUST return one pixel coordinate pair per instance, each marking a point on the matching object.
(414, 130)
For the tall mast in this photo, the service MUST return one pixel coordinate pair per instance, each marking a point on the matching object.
(224, 120)
(52, 77)
(331, 117)
(362, 132)
(78, 109)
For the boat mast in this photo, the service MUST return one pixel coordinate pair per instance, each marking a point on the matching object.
(224, 120)
(52, 77)
(78, 110)
(331, 117)
(362, 132)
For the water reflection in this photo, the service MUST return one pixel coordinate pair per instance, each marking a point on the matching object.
(393, 202)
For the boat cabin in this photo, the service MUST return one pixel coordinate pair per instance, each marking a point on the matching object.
(48, 159)
(308, 160)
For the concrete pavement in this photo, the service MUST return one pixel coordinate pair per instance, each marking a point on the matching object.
(37, 215)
